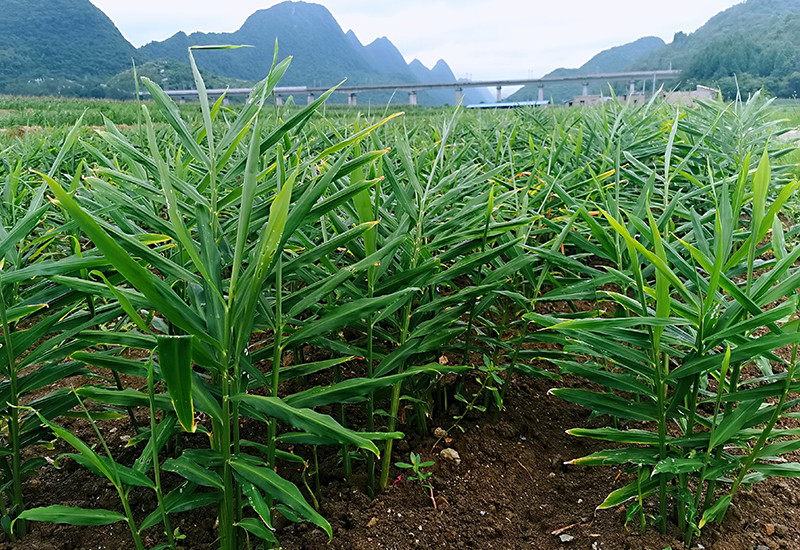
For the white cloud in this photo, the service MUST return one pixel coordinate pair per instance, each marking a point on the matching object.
(477, 37)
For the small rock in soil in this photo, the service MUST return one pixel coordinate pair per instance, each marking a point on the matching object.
(770, 529)
(566, 538)
(372, 523)
(439, 432)
(781, 530)
(762, 547)
(451, 454)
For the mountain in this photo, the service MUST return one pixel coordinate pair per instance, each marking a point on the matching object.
(321, 54)
(612, 60)
(441, 72)
(384, 57)
(757, 41)
(58, 40)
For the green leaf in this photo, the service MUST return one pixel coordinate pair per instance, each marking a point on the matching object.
(156, 290)
(606, 403)
(257, 501)
(181, 499)
(672, 465)
(124, 302)
(171, 112)
(348, 313)
(716, 511)
(280, 489)
(103, 467)
(786, 469)
(127, 475)
(634, 437)
(308, 421)
(632, 490)
(175, 360)
(72, 516)
(257, 527)
(193, 472)
(633, 455)
(734, 421)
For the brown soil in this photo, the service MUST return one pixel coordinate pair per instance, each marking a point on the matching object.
(510, 491)
(21, 131)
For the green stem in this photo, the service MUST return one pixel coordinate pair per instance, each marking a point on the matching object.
(513, 363)
(317, 488)
(277, 361)
(387, 451)
(732, 387)
(227, 513)
(395, 404)
(754, 454)
(13, 426)
(156, 468)
(662, 442)
(131, 415)
(370, 409)
(137, 537)
(348, 468)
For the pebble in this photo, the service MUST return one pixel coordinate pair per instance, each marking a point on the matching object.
(762, 547)
(566, 538)
(451, 454)
(372, 523)
(439, 432)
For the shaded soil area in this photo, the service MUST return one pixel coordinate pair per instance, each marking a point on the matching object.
(510, 490)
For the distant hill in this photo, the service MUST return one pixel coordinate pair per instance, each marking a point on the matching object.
(757, 40)
(170, 75)
(322, 54)
(612, 60)
(70, 47)
(68, 42)
(386, 59)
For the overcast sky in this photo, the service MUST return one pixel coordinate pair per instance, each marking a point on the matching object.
(479, 39)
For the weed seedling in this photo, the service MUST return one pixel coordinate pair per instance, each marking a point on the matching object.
(419, 476)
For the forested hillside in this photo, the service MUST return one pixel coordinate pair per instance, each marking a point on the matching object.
(66, 46)
(756, 43)
(612, 60)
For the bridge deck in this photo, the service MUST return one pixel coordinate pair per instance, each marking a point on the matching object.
(417, 87)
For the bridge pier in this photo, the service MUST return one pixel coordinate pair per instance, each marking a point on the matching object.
(541, 92)
(632, 89)
(310, 98)
(459, 96)
(585, 89)
(499, 94)
(412, 98)
(351, 100)
(279, 100)
(225, 101)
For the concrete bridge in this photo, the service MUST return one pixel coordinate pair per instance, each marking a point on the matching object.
(412, 88)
